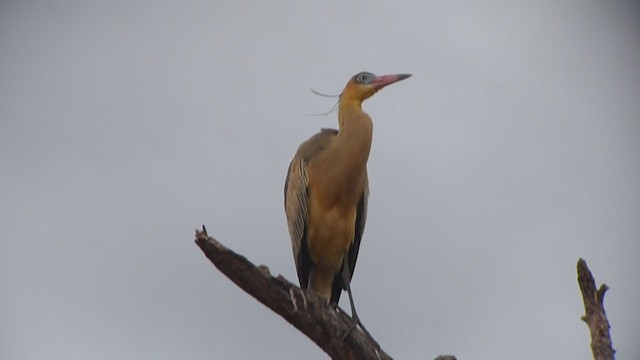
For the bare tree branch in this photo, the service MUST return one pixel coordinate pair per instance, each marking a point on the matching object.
(595, 315)
(330, 328)
(309, 313)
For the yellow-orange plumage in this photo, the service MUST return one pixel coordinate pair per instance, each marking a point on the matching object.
(326, 192)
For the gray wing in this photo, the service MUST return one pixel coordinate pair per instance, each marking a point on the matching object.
(296, 200)
(296, 207)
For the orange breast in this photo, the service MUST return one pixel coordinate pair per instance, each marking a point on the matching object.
(329, 234)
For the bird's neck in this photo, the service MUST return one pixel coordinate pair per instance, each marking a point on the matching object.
(355, 133)
(344, 165)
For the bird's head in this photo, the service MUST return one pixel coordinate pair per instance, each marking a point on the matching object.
(363, 85)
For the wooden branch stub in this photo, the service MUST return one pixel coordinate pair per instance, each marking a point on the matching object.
(595, 316)
(308, 312)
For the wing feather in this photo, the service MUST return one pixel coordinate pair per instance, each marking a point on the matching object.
(296, 200)
(296, 205)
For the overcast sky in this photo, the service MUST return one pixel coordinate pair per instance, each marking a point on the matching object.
(513, 151)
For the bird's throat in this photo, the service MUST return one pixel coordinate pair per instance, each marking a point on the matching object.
(355, 134)
(351, 150)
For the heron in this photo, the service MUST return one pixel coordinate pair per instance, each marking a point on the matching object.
(326, 193)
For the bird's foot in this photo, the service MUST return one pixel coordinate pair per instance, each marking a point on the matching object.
(355, 322)
(351, 327)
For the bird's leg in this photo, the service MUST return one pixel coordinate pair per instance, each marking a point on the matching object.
(346, 278)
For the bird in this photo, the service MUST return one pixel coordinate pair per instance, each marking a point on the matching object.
(326, 194)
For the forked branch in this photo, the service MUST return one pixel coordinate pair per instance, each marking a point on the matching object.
(595, 315)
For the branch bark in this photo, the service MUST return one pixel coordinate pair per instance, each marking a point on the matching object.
(595, 315)
(321, 323)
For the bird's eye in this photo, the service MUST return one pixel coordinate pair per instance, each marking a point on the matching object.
(363, 78)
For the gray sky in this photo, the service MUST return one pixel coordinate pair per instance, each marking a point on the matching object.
(512, 151)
